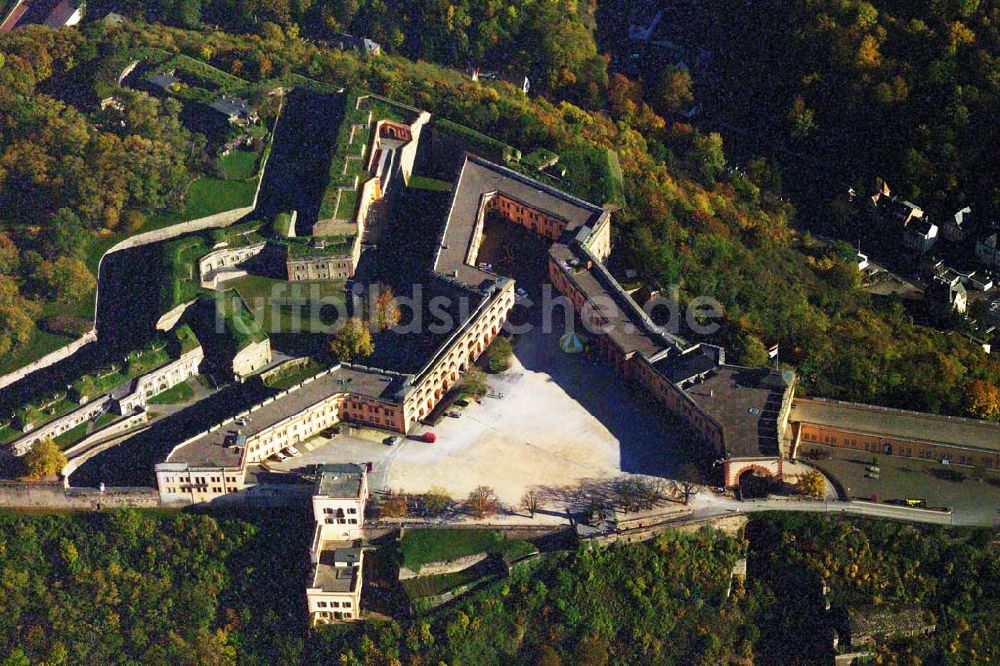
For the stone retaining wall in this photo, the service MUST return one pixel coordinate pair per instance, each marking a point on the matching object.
(49, 359)
(443, 566)
(218, 220)
(105, 438)
(16, 495)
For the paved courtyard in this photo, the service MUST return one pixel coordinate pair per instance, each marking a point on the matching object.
(909, 478)
(562, 420)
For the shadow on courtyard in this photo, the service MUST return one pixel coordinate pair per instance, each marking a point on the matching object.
(651, 441)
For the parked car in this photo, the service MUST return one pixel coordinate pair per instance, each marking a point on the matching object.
(429, 437)
(461, 403)
(454, 414)
(291, 450)
(280, 456)
(392, 440)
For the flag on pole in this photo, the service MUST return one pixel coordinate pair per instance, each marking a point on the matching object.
(773, 352)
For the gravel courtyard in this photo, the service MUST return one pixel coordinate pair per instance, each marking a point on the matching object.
(562, 420)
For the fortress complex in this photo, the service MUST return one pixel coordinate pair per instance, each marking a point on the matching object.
(739, 411)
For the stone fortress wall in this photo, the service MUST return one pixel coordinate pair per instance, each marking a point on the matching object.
(165, 377)
(168, 320)
(220, 265)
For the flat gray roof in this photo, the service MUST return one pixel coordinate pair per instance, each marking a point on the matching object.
(898, 423)
(746, 402)
(480, 177)
(339, 480)
(214, 449)
(332, 578)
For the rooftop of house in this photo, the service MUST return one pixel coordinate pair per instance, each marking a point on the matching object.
(899, 208)
(963, 217)
(746, 402)
(164, 79)
(345, 41)
(232, 106)
(222, 447)
(338, 566)
(689, 365)
(898, 423)
(923, 228)
(339, 481)
(61, 14)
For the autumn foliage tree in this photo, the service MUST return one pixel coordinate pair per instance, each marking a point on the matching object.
(44, 459)
(352, 341)
(983, 400)
(482, 502)
(673, 91)
(385, 312)
(66, 279)
(811, 484)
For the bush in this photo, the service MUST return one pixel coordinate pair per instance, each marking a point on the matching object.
(498, 354)
(67, 325)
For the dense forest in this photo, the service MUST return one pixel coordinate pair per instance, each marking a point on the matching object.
(549, 41)
(689, 222)
(69, 174)
(152, 588)
(904, 90)
(225, 588)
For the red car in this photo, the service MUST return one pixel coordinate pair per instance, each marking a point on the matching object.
(430, 437)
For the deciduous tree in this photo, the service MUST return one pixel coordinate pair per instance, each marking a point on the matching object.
(352, 341)
(385, 313)
(983, 400)
(688, 477)
(530, 501)
(43, 459)
(66, 279)
(474, 382)
(482, 502)
(811, 484)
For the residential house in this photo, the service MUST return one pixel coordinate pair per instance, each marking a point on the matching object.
(65, 13)
(988, 247)
(920, 236)
(951, 291)
(889, 208)
(862, 260)
(360, 45)
(957, 228)
(164, 80)
(238, 111)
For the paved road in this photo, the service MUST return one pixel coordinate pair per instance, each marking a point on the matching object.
(713, 505)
